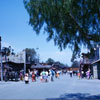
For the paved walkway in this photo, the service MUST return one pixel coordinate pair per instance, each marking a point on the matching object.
(62, 88)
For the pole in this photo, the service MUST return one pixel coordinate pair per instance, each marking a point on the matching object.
(24, 62)
(37, 55)
(99, 52)
(1, 61)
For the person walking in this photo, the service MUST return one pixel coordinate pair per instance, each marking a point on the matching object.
(6, 75)
(70, 73)
(88, 74)
(33, 77)
(46, 75)
(57, 74)
(26, 78)
(21, 76)
(79, 75)
(52, 73)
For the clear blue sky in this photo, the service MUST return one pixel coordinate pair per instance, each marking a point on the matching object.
(16, 32)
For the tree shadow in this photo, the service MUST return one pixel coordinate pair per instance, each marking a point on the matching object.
(76, 96)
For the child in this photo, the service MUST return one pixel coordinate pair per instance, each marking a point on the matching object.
(33, 77)
(79, 75)
(26, 79)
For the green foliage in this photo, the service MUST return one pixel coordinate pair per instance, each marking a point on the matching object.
(71, 23)
(60, 64)
(50, 61)
(75, 64)
(7, 51)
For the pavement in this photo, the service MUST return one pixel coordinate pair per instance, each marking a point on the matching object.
(61, 89)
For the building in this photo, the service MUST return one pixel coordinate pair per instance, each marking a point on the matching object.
(16, 62)
(85, 64)
(96, 63)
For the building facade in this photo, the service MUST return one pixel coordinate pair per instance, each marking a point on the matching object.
(96, 63)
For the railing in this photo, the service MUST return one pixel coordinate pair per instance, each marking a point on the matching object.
(87, 61)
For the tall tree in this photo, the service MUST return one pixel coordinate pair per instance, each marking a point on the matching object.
(75, 64)
(30, 54)
(50, 61)
(6, 51)
(71, 23)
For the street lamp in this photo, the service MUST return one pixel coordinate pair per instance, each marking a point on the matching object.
(25, 62)
(5, 52)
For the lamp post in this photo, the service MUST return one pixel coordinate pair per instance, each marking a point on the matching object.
(1, 61)
(24, 61)
(5, 51)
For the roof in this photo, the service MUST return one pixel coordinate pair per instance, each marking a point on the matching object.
(41, 66)
(96, 61)
(59, 66)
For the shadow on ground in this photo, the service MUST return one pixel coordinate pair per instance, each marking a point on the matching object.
(76, 96)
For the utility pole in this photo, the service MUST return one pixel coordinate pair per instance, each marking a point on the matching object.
(24, 62)
(37, 55)
(1, 61)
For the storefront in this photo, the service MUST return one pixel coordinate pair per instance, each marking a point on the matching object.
(96, 69)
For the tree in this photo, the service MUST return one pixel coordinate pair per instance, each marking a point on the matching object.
(6, 51)
(61, 65)
(66, 65)
(75, 64)
(30, 54)
(50, 61)
(70, 23)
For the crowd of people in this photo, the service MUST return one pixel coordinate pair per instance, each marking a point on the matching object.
(46, 76)
(83, 74)
(88, 74)
(43, 76)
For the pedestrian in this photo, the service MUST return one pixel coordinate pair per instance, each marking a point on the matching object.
(21, 76)
(26, 78)
(36, 74)
(16, 76)
(79, 75)
(33, 77)
(88, 74)
(6, 75)
(44, 77)
(52, 73)
(30, 74)
(57, 74)
(70, 73)
(91, 75)
(82, 74)
(41, 78)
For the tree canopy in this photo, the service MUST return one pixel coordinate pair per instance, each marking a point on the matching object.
(75, 64)
(70, 23)
(50, 61)
(6, 51)
(30, 54)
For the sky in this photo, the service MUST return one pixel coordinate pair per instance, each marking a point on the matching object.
(17, 33)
